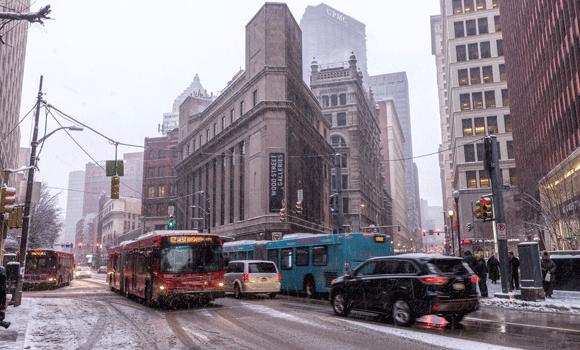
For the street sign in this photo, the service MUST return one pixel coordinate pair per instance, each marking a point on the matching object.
(276, 236)
(501, 231)
(505, 187)
(300, 195)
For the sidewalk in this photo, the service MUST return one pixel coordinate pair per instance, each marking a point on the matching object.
(13, 337)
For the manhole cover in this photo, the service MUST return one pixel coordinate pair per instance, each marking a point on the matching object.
(8, 335)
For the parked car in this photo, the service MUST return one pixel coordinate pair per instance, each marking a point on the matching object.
(244, 277)
(83, 271)
(404, 287)
(102, 269)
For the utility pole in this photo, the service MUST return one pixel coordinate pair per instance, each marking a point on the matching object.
(26, 217)
(491, 164)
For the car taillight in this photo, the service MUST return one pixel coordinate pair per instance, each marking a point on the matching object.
(474, 279)
(434, 280)
(279, 277)
(246, 277)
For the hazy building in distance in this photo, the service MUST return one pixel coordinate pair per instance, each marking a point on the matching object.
(330, 36)
(74, 204)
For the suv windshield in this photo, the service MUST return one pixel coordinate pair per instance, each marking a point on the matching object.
(190, 259)
(448, 266)
(261, 268)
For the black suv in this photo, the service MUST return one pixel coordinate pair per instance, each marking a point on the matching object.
(408, 286)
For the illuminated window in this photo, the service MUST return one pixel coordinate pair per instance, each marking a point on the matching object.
(459, 32)
(502, 73)
(468, 5)
(490, 99)
(504, 98)
(484, 179)
(471, 180)
(495, 3)
(464, 102)
(467, 125)
(470, 27)
(479, 126)
(497, 22)
(485, 49)
(150, 191)
(487, 74)
(475, 75)
(492, 125)
(480, 4)
(161, 191)
(477, 100)
(482, 25)
(462, 76)
(473, 51)
(508, 123)
(457, 6)
(469, 153)
(460, 53)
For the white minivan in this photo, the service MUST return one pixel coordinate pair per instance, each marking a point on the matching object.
(244, 277)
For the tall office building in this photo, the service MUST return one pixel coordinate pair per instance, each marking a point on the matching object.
(330, 36)
(396, 86)
(12, 54)
(74, 204)
(471, 74)
(542, 50)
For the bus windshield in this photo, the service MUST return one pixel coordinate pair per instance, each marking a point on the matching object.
(40, 263)
(190, 259)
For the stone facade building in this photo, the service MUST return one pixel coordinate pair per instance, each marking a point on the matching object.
(258, 145)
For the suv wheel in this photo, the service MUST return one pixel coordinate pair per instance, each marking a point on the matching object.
(339, 304)
(402, 315)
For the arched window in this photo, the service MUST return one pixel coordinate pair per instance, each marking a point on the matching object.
(337, 141)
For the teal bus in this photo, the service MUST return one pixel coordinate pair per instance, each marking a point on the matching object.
(309, 262)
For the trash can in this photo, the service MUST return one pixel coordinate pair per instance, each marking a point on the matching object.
(530, 272)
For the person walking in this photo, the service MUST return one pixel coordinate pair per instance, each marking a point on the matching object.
(514, 266)
(493, 268)
(548, 271)
(481, 272)
(470, 259)
(3, 297)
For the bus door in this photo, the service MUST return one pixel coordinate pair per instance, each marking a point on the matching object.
(136, 258)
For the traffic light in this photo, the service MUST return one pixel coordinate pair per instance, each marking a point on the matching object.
(80, 244)
(487, 208)
(7, 200)
(424, 232)
(115, 181)
(15, 218)
(171, 224)
(283, 214)
(299, 208)
(479, 209)
(334, 203)
(438, 232)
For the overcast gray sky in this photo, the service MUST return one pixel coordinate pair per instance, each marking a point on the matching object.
(118, 65)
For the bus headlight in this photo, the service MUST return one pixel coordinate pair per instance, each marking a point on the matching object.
(162, 288)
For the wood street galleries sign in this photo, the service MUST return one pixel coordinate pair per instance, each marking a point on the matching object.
(276, 181)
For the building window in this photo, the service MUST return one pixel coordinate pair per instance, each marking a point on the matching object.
(162, 154)
(200, 140)
(329, 118)
(477, 100)
(484, 179)
(460, 53)
(502, 74)
(150, 172)
(337, 141)
(175, 154)
(497, 22)
(457, 6)
(150, 191)
(343, 161)
(344, 182)
(468, 4)
(513, 178)
(333, 100)
(459, 31)
(161, 171)
(232, 116)
(464, 102)
(479, 126)
(507, 122)
(467, 127)
(469, 153)
(485, 49)
(345, 209)
(341, 119)
(462, 77)
(214, 129)
(161, 191)
(160, 209)
(510, 149)
(255, 98)
(480, 5)
(499, 47)
(490, 99)
(495, 3)
(504, 98)
(223, 122)
(480, 152)
(475, 75)
(470, 27)
(342, 99)
(150, 210)
(325, 101)
(152, 154)
(471, 179)
(487, 74)
(242, 110)
(482, 25)
(473, 51)
(492, 125)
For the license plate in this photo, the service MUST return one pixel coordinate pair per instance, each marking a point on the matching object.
(458, 286)
(264, 279)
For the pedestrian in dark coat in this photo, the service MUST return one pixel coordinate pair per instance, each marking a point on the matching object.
(514, 267)
(3, 297)
(493, 268)
(470, 259)
(548, 271)
(481, 272)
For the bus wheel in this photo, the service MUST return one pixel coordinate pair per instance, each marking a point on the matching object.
(237, 291)
(309, 288)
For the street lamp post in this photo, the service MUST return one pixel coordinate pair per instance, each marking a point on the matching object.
(360, 209)
(456, 196)
(451, 225)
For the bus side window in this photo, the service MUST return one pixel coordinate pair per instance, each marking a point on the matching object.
(273, 256)
(320, 255)
(250, 255)
(302, 256)
(232, 256)
(241, 255)
(286, 259)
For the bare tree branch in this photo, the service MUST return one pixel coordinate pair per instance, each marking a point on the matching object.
(32, 17)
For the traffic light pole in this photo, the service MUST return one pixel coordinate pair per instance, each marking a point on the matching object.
(26, 218)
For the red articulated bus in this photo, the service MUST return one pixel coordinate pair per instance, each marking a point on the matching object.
(48, 268)
(162, 266)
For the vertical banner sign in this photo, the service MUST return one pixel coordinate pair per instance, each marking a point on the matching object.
(276, 183)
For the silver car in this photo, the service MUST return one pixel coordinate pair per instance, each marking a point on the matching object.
(244, 277)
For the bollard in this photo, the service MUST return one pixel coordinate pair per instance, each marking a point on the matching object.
(530, 272)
